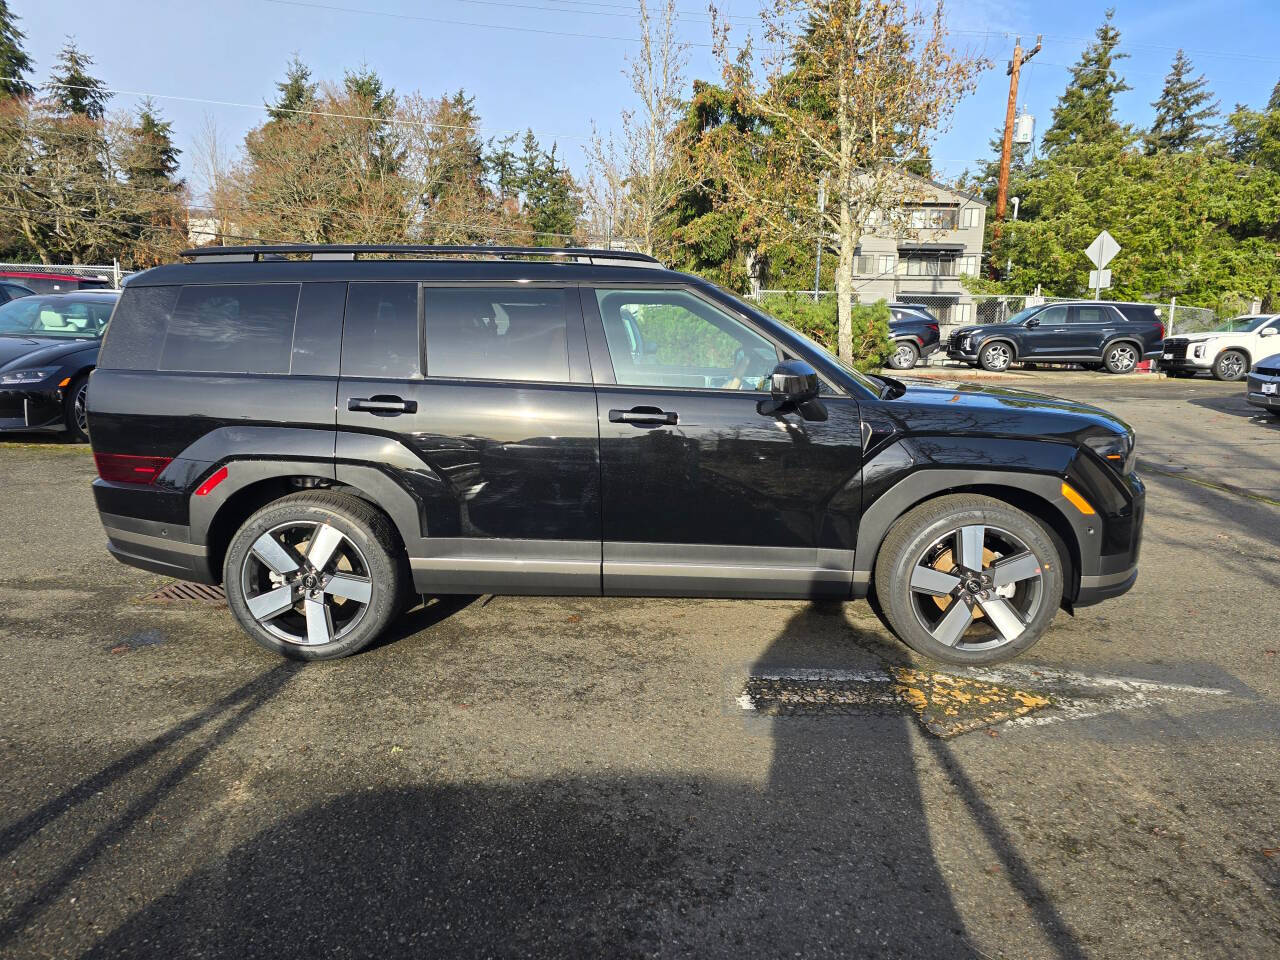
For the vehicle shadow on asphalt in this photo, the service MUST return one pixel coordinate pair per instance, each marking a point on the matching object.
(1236, 405)
(831, 855)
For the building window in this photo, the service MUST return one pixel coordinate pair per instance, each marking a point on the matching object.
(968, 218)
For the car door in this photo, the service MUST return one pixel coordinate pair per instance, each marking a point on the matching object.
(1049, 337)
(488, 431)
(704, 490)
(1091, 326)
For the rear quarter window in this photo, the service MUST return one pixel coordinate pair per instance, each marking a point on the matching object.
(1139, 313)
(204, 328)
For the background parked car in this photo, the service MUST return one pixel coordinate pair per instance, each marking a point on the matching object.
(1094, 333)
(12, 291)
(1264, 385)
(1227, 352)
(48, 347)
(52, 282)
(915, 335)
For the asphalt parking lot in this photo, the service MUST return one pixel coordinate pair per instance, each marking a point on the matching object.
(599, 777)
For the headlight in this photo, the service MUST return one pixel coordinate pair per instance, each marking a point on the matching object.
(1119, 450)
(15, 377)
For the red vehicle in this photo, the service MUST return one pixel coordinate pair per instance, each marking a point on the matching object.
(54, 282)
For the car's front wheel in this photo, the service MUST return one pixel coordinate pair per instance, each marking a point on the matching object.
(904, 355)
(1231, 365)
(1121, 358)
(968, 579)
(996, 357)
(315, 576)
(74, 410)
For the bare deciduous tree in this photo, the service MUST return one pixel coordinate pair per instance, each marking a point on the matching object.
(635, 179)
(849, 90)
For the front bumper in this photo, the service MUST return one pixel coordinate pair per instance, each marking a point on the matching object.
(1254, 394)
(26, 410)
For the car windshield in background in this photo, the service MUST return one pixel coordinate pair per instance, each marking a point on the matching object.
(1242, 324)
(58, 316)
(1023, 315)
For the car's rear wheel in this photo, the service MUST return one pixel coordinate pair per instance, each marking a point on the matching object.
(1121, 358)
(315, 576)
(74, 410)
(904, 355)
(1231, 365)
(968, 579)
(996, 357)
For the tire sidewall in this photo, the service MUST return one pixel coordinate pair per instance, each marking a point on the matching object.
(384, 600)
(893, 357)
(926, 529)
(986, 364)
(1109, 358)
(69, 409)
(1217, 366)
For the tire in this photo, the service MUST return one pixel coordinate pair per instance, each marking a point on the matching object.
(914, 568)
(73, 409)
(275, 550)
(904, 356)
(1231, 365)
(1122, 357)
(996, 357)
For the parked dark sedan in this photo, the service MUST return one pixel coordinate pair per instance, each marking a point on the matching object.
(1264, 385)
(915, 335)
(48, 346)
(1097, 334)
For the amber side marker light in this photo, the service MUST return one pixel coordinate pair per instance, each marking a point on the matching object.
(1077, 501)
(63, 384)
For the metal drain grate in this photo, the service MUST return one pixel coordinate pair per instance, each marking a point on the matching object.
(182, 591)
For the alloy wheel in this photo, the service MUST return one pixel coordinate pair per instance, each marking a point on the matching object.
(1124, 359)
(904, 357)
(998, 356)
(1232, 366)
(80, 408)
(976, 588)
(306, 583)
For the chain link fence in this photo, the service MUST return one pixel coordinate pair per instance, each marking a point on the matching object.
(110, 273)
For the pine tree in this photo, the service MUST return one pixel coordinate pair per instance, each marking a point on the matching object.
(552, 203)
(297, 92)
(503, 167)
(1086, 110)
(151, 159)
(1274, 102)
(72, 89)
(1184, 112)
(14, 62)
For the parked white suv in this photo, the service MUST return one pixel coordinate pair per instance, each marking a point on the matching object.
(1228, 352)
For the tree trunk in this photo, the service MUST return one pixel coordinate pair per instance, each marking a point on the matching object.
(848, 231)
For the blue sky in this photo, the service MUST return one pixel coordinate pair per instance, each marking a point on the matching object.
(564, 69)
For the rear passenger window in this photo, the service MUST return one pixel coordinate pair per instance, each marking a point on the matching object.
(380, 332)
(497, 333)
(231, 328)
(1093, 315)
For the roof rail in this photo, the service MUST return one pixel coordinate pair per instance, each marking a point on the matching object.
(344, 251)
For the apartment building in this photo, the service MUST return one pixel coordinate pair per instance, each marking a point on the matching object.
(919, 254)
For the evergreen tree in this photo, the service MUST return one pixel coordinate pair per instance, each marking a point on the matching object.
(1274, 102)
(72, 89)
(1184, 112)
(1086, 110)
(502, 165)
(552, 204)
(297, 92)
(369, 98)
(151, 159)
(14, 62)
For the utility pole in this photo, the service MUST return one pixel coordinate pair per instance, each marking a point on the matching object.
(1006, 150)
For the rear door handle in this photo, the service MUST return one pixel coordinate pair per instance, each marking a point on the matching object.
(644, 415)
(383, 406)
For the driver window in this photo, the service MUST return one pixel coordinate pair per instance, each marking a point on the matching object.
(670, 338)
(1052, 317)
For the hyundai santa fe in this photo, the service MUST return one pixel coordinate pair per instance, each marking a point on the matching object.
(332, 431)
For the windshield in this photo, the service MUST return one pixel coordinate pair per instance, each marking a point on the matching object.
(1245, 324)
(58, 316)
(1022, 316)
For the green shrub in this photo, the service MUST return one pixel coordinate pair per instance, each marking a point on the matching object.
(818, 320)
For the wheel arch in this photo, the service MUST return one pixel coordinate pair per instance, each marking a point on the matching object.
(1248, 356)
(1036, 494)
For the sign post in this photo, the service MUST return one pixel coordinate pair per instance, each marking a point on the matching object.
(1100, 253)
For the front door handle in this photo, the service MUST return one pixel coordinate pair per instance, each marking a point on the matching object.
(644, 415)
(383, 406)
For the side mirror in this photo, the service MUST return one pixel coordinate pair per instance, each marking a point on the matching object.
(1269, 332)
(1033, 322)
(794, 381)
(794, 385)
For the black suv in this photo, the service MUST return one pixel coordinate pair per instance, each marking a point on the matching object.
(332, 435)
(915, 335)
(1094, 333)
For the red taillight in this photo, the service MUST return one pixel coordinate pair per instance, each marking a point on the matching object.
(1161, 329)
(215, 478)
(124, 468)
(932, 326)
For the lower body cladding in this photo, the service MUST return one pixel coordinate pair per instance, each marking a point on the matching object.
(1264, 390)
